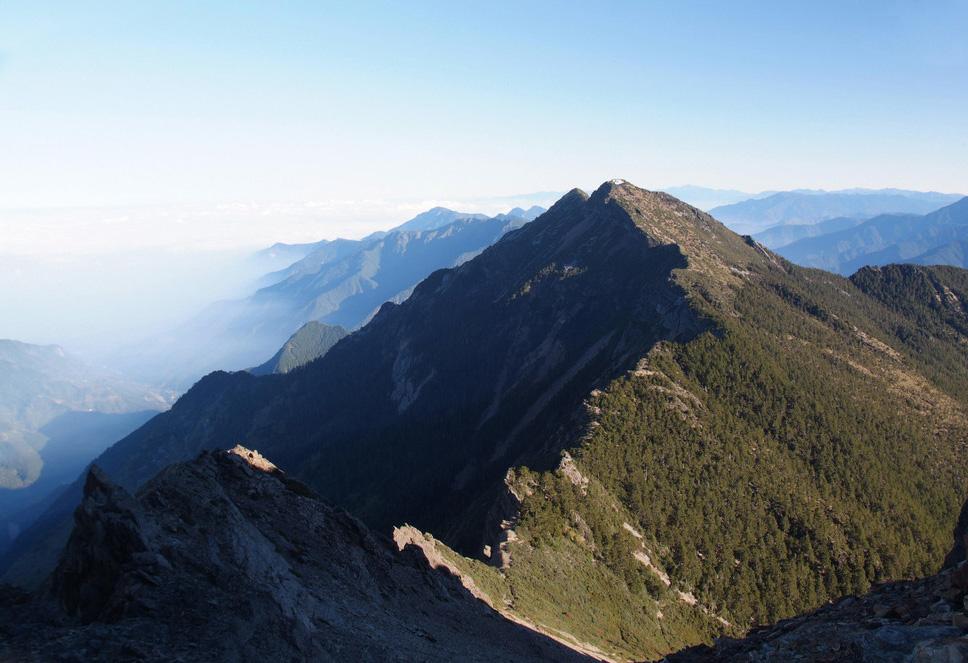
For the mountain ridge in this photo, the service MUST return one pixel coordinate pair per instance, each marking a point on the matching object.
(883, 239)
(341, 282)
(745, 438)
(808, 207)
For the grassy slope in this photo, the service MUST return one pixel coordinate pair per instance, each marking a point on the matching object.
(809, 446)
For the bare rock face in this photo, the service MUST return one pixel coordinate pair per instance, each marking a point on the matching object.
(226, 558)
(108, 555)
(919, 621)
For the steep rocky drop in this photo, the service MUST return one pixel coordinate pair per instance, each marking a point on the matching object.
(923, 620)
(226, 558)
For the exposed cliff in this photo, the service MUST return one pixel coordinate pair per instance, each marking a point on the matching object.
(226, 558)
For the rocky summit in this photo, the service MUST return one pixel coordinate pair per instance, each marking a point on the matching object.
(225, 558)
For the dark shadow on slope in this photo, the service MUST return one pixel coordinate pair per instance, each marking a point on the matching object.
(478, 370)
(960, 550)
(35, 551)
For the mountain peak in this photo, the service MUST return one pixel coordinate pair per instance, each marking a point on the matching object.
(529, 214)
(437, 217)
(619, 189)
(610, 185)
(575, 195)
(572, 199)
(585, 332)
(707, 244)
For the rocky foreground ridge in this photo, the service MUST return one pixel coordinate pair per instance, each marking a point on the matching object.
(920, 620)
(923, 620)
(227, 558)
(224, 558)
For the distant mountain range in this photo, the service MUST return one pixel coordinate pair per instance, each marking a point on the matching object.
(284, 255)
(805, 207)
(706, 198)
(38, 383)
(529, 214)
(936, 238)
(437, 217)
(953, 253)
(340, 282)
(641, 430)
(281, 255)
(781, 235)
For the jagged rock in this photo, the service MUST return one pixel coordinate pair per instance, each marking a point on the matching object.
(225, 558)
(108, 557)
(410, 537)
(899, 621)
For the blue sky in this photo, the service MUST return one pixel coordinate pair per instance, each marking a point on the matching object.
(143, 144)
(123, 103)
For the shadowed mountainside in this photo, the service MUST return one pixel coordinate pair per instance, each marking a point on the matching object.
(776, 237)
(546, 312)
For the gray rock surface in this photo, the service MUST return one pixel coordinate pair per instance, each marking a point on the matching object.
(911, 621)
(225, 558)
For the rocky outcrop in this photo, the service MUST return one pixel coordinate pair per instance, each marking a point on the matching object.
(226, 558)
(408, 537)
(109, 557)
(922, 621)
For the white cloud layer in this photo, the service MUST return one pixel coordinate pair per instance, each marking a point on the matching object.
(217, 227)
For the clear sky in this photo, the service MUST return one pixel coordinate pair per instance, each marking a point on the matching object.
(120, 103)
(144, 144)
